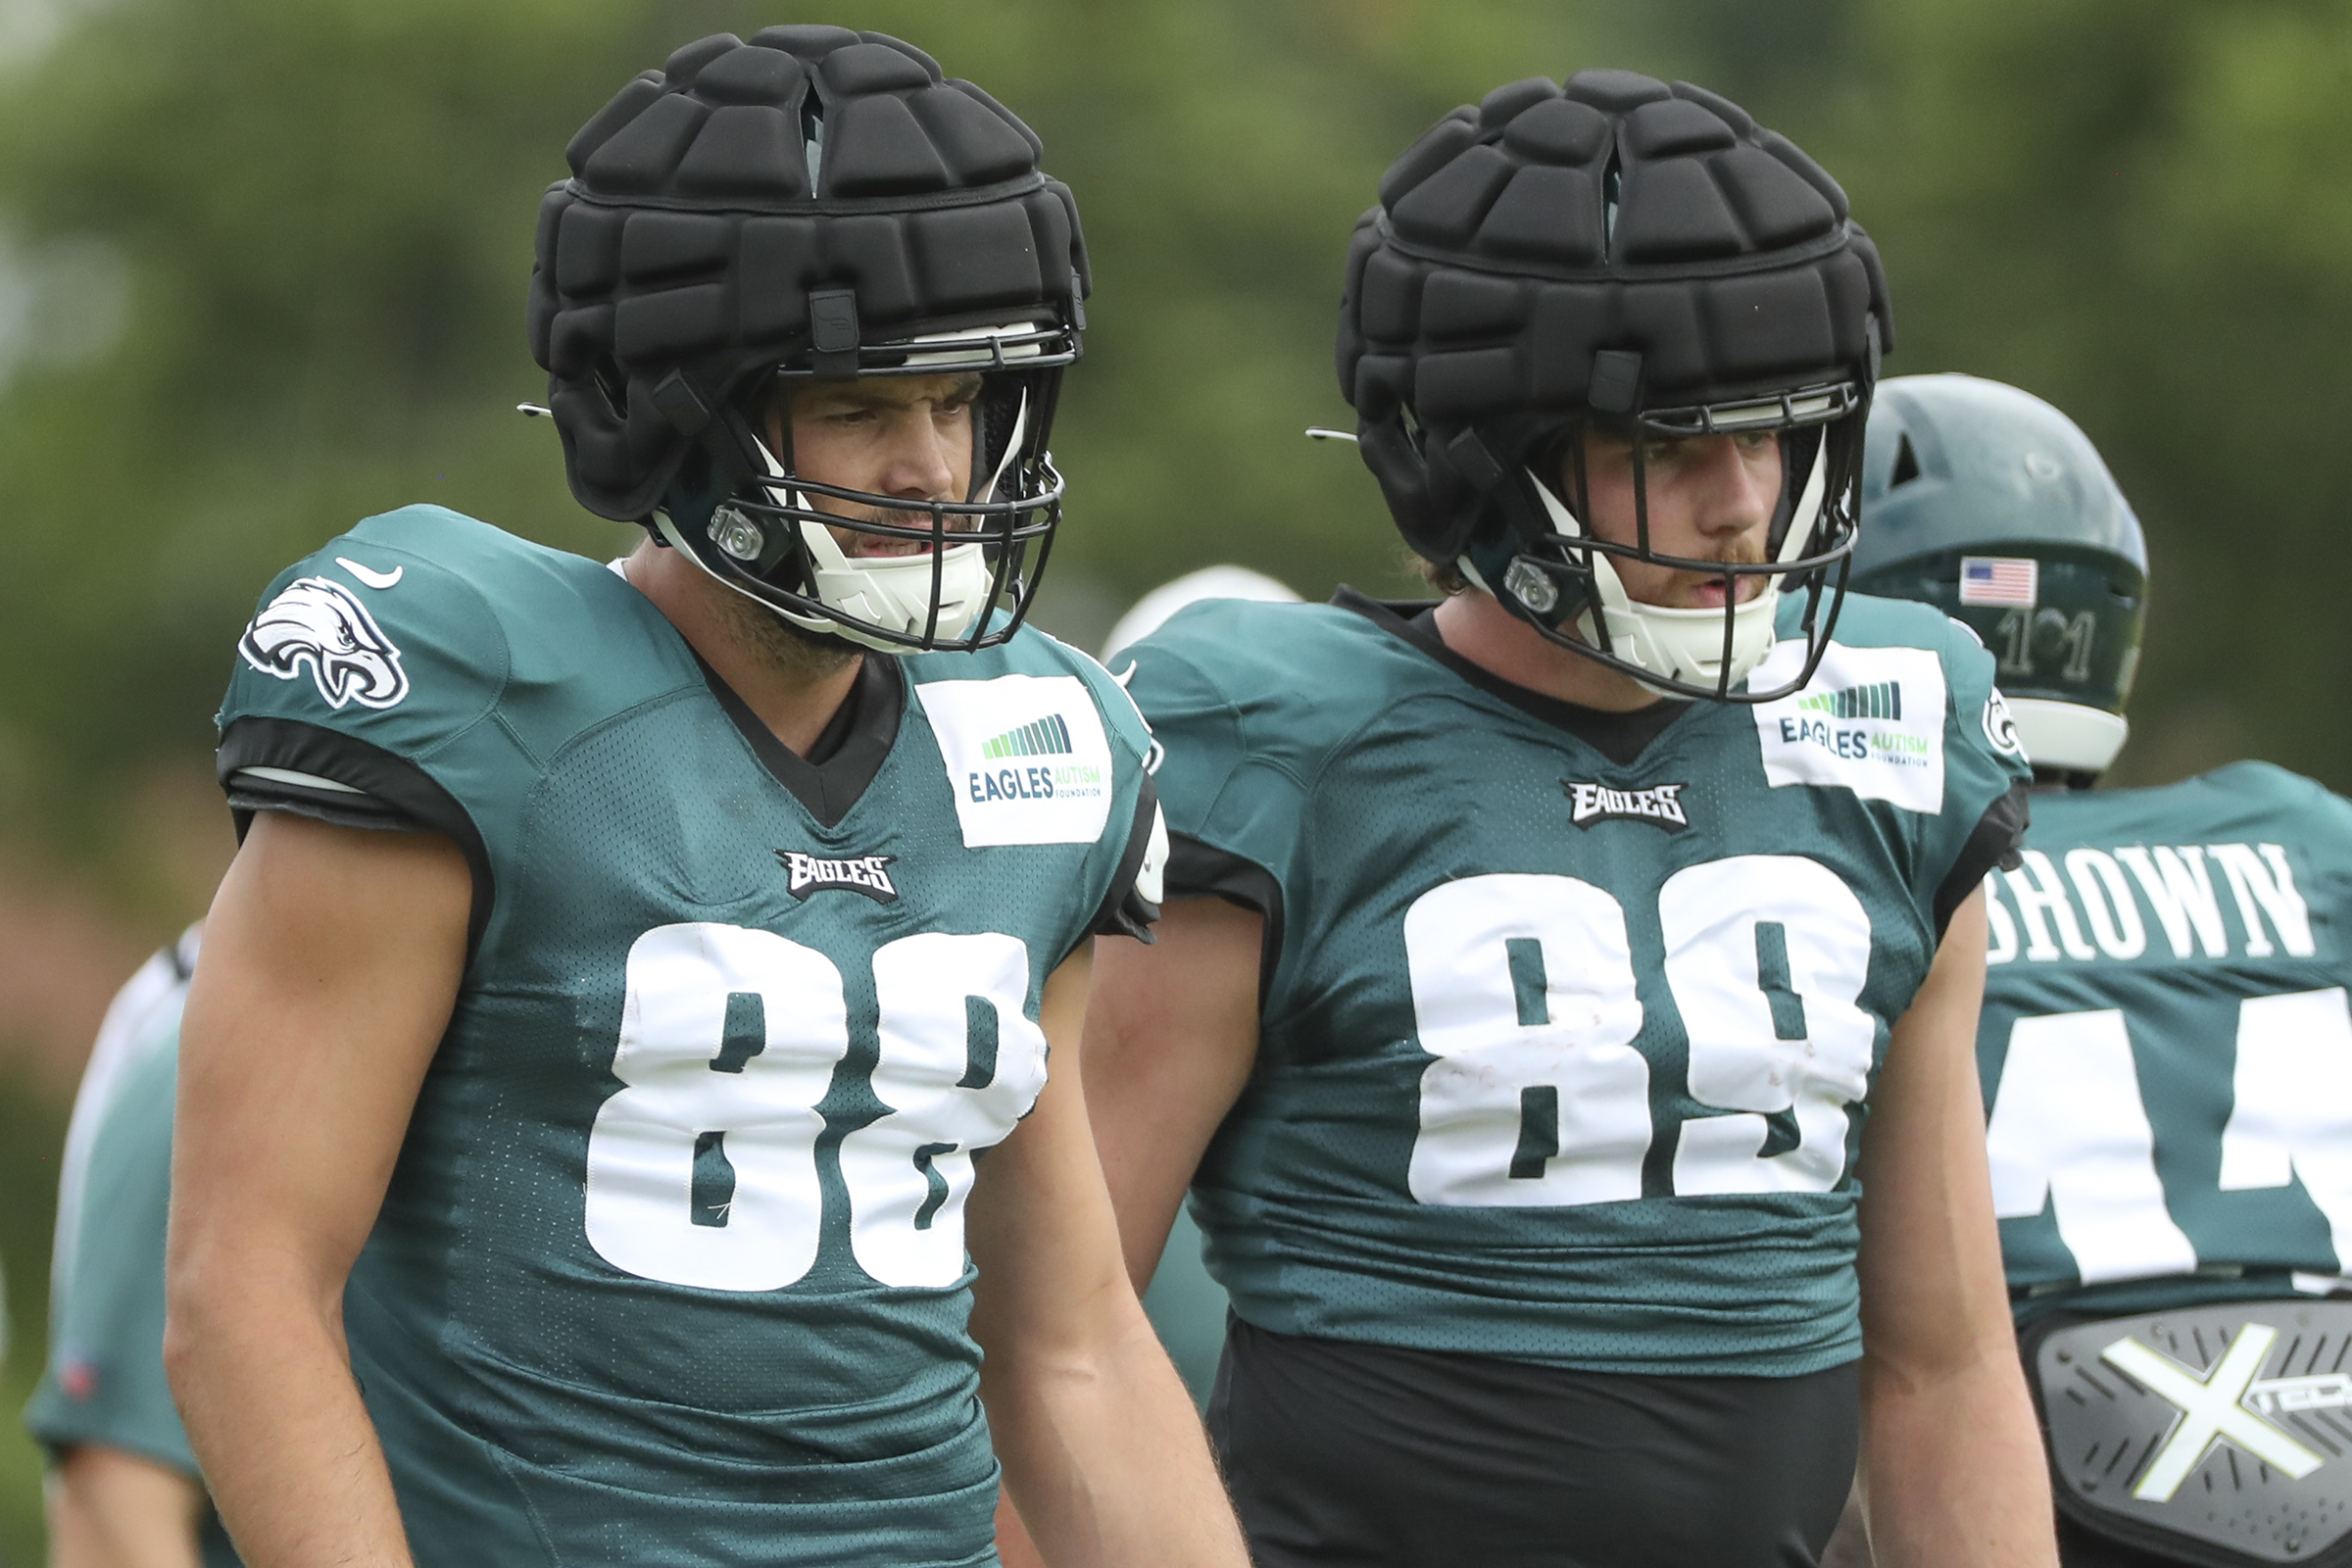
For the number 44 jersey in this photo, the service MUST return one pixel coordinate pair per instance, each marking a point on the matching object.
(1568, 1021)
(671, 1269)
(2165, 1048)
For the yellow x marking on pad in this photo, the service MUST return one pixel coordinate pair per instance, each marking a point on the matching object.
(2211, 1410)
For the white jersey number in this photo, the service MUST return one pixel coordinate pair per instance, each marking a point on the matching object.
(1765, 955)
(701, 1170)
(960, 1064)
(2068, 1130)
(1524, 990)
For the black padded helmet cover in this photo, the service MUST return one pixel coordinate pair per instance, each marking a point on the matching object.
(712, 201)
(1558, 227)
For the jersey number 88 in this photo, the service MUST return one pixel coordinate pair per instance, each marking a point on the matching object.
(730, 1037)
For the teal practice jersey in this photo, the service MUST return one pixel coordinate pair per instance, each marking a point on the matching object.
(1569, 1018)
(671, 1268)
(104, 1383)
(2166, 1050)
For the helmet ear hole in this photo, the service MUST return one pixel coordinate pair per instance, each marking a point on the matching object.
(1906, 464)
(612, 386)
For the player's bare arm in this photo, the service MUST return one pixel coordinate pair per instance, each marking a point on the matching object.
(332, 961)
(1956, 1473)
(110, 1509)
(1102, 1450)
(1170, 1034)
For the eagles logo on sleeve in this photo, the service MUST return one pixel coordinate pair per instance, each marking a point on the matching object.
(2000, 725)
(318, 621)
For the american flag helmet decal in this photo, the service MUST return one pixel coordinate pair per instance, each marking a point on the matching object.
(2000, 580)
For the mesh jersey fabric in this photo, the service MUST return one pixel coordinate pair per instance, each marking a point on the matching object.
(670, 1267)
(2165, 1048)
(104, 1383)
(1478, 1120)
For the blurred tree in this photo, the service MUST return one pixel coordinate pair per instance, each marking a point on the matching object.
(320, 217)
(262, 269)
(2140, 214)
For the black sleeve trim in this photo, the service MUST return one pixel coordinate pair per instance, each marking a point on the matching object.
(1125, 911)
(1198, 870)
(1998, 835)
(400, 796)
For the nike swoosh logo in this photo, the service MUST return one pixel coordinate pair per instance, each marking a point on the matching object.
(1119, 677)
(372, 578)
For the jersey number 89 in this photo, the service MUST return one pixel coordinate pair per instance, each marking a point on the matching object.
(702, 1170)
(1524, 990)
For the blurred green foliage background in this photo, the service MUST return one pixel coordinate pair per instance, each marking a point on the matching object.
(262, 268)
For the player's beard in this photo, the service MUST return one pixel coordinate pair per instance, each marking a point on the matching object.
(799, 653)
(792, 651)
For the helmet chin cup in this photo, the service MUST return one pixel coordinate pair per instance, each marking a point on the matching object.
(1668, 651)
(1684, 645)
(892, 592)
(2069, 736)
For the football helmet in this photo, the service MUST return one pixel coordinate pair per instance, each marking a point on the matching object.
(1152, 612)
(1993, 506)
(812, 205)
(1617, 255)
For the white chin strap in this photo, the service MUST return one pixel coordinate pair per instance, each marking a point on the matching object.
(1685, 645)
(893, 592)
(2067, 735)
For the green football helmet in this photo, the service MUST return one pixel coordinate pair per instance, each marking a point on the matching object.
(1993, 506)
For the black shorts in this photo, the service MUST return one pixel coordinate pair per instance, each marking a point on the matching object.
(1342, 1455)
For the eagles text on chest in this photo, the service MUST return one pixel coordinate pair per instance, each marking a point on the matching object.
(1659, 804)
(867, 874)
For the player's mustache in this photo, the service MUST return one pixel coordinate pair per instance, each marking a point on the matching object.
(1741, 552)
(908, 516)
(875, 544)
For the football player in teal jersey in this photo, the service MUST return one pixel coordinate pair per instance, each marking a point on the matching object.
(123, 1489)
(1185, 1305)
(622, 1036)
(2165, 1048)
(1565, 1033)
